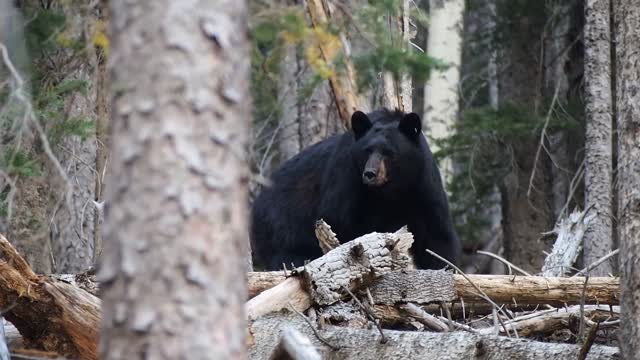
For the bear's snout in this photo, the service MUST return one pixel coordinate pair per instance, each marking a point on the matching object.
(375, 171)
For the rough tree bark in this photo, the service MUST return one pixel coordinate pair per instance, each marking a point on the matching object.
(441, 91)
(72, 223)
(526, 209)
(310, 119)
(627, 60)
(175, 213)
(598, 146)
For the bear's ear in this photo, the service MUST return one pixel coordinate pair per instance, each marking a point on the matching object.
(411, 125)
(360, 123)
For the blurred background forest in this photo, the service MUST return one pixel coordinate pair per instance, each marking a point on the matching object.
(499, 84)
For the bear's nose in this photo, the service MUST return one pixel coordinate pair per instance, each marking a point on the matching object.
(368, 176)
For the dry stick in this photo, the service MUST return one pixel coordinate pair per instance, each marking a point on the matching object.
(313, 328)
(505, 261)
(602, 325)
(584, 291)
(482, 293)
(30, 115)
(448, 312)
(424, 317)
(584, 350)
(458, 325)
(369, 314)
(597, 263)
(543, 135)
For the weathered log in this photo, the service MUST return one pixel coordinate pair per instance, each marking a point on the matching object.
(365, 344)
(288, 293)
(547, 321)
(540, 290)
(425, 286)
(568, 245)
(50, 314)
(260, 281)
(345, 268)
(295, 346)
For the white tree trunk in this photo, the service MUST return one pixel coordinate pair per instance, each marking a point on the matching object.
(627, 18)
(441, 91)
(175, 239)
(598, 146)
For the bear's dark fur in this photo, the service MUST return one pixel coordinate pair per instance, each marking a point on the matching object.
(379, 176)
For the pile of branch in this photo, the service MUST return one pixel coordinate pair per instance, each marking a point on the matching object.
(351, 303)
(362, 299)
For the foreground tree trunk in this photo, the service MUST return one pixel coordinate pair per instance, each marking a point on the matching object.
(627, 19)
(175, 214)
(598, 151)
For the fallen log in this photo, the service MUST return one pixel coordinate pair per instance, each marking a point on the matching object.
(50, 314)
(427, 286)
(331, 277)
(547, 321)
(365, 344)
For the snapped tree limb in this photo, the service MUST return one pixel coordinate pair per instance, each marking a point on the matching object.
(50, 314)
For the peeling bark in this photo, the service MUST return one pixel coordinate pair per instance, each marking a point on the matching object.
(175, 226)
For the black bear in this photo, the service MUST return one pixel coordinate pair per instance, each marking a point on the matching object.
(379, 176)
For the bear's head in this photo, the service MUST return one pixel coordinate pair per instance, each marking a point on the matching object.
(387, 150)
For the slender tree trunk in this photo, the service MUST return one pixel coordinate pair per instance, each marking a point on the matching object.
(305, 120)
(598, 148)
(397, 93)
(441, 91)
(557, 82)
(175, 235)
(526, 202)
(102, 131)
(627, 23)
(72, 222)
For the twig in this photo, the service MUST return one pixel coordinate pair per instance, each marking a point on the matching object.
(369, 314)
(482, 293)
(424, 317)
(505, 261)
(588, 342)
(543, 135)
(584, 291)
(597, 263)
(313, 328)
(457, 325)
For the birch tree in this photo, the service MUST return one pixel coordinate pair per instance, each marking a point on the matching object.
(441, 91)
(627, 23)
(598, 147)
(173, 266)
